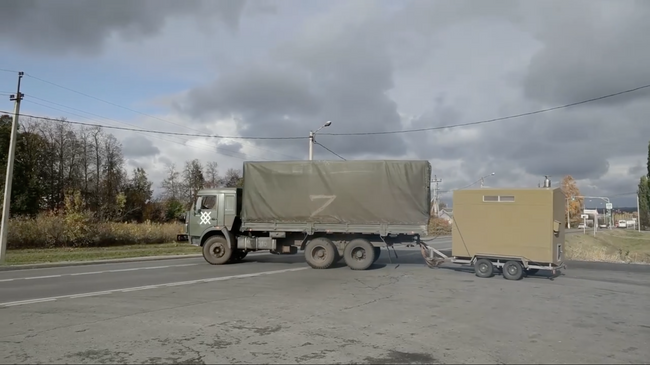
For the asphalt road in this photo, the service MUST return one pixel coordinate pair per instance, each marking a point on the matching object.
(53, 283)
(274, 309)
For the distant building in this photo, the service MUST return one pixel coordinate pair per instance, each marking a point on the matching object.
(446, 214)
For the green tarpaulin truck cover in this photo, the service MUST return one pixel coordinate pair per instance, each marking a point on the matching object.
(352, 192)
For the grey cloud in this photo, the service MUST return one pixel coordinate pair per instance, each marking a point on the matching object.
(138, 146)
(590, 48)
(229, 148)
(339, 73)
(164, 160)
(65, 26)
(637, 169)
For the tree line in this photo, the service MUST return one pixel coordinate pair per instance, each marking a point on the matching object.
(55, 160)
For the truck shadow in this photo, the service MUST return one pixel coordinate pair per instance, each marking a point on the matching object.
(406, 257)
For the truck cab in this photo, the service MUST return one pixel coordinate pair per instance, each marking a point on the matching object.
(215, 210)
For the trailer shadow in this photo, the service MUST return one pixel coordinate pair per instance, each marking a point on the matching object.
(542, 274)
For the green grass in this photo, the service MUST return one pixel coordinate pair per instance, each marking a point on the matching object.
(617, 245)
(51, 255)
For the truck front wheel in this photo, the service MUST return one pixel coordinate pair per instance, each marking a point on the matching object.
(216, 250)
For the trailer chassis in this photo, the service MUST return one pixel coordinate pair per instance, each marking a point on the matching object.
(512, 267)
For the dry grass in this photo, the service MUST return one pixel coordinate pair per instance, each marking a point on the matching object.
(439, 227)
(77, 230)
(617, 245)
(33, 256)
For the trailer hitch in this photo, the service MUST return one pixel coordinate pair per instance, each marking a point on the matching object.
(429, 255)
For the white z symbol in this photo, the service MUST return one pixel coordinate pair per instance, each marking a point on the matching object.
(330, 199)
(205, 217)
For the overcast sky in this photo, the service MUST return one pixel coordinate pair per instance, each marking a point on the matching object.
(281, 68)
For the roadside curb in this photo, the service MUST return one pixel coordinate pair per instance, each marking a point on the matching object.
(94, 262)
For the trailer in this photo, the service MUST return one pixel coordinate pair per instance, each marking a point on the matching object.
(331, 210)
(515, 232)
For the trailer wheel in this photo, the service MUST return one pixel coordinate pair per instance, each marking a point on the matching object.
(377, 253)
(216, 250)
(483, 268)
(513, 270)
(359, 254)
(320, 253)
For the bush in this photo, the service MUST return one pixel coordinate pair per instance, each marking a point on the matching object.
(439, 226)
(49, 230)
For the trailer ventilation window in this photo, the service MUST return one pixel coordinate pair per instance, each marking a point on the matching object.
(498, 198)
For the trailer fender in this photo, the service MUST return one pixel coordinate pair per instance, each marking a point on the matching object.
(221, 232)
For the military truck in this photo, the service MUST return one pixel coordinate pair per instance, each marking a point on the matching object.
(516, 231)
(328, 209)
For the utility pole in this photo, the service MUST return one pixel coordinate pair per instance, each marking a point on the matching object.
(568, 215)
(6, 203)
(311, 139)
(311, 145)
(638, 212)
(436, 203)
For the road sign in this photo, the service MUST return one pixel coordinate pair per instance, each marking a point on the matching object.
(608, 206)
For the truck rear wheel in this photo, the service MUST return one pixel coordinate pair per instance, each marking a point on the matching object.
(320, 253)
(216, 250)
(359, 254)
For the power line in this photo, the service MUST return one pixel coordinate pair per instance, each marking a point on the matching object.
(162, 139)
(330, 151)
(111, 120)
(367, 133)
(154, 131)
(495, 119)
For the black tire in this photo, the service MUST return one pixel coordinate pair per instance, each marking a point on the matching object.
(359, 254)
(532, 271)
(377, 253)
(320, 253)
(338, 256)
(483, 268)
(216, 250)
(238, 255)
(513, 270)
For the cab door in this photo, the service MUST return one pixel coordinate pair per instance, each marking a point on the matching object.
(204, 216)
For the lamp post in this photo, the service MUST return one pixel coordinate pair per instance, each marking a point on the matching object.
(483, 178)
(311, 139)
(608, 206)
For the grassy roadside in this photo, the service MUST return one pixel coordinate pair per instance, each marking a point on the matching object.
(617, 245)
(49, 255)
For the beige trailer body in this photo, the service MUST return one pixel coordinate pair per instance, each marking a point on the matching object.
(524, 223)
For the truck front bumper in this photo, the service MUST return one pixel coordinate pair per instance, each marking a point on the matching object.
(182, 238)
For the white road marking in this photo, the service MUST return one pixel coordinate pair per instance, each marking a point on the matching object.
(31, 301)
(125, 290)
(97, 272)
(42, 277)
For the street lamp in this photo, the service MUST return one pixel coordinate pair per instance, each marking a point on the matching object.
(608, 206)
(483, 178)
(311, 139)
